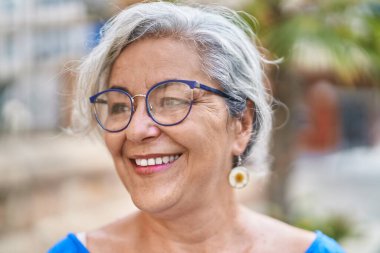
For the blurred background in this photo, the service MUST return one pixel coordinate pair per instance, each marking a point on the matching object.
(326, 145)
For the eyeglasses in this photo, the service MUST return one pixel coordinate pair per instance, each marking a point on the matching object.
(168, 103)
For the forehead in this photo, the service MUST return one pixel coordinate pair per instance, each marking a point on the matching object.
(149, 61)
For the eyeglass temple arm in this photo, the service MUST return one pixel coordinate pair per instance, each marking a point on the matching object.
(92, 98)
(215, 91)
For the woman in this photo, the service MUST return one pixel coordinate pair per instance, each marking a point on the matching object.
(178, 94)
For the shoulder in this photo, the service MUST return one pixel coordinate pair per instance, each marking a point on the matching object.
(324, 244)
(270, 235)
(69, 244)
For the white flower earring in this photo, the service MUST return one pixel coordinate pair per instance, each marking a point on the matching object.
(239, 176)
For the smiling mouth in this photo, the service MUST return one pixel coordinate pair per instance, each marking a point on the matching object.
(144, 162)
(152, 165)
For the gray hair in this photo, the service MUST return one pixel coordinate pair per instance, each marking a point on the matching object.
(227, 50)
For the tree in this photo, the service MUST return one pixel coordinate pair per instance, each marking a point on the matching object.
(337, 41)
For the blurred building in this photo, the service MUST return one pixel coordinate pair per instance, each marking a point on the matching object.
(39, 41)
(37, 37)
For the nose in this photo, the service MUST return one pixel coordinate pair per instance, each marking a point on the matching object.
(141, 128)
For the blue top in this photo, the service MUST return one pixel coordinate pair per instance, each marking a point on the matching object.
(70, 244)
(321, 244)
(324, 244)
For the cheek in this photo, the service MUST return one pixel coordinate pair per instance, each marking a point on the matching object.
(209, 133)
(114, 143)
(214, 125)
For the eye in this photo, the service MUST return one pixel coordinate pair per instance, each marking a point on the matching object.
(118, 108)
(173, 102)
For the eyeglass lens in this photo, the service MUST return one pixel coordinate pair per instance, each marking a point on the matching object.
(168, 104)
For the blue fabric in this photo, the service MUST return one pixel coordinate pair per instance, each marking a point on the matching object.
(70, 244)
(321, 244)
(324, 244)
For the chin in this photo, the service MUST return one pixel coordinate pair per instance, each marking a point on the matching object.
(155, 200)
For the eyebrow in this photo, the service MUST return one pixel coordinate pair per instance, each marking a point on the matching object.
(120, 88)
(147, 86)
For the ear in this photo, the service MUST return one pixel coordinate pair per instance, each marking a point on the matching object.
(243, 129)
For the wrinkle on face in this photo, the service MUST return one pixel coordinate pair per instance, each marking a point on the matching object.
(201, 138)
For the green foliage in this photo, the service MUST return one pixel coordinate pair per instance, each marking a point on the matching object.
(343, 34)
(335, 226)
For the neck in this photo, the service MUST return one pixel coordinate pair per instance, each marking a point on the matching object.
(196, 229)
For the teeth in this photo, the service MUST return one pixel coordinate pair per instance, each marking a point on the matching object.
(157, 160)
(151, 161)
(165, 159)
(144, 162)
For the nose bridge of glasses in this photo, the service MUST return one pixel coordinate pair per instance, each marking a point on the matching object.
(138, 95)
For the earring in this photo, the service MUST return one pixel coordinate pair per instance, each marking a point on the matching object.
(239, 176)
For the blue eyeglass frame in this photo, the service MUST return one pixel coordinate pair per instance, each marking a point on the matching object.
(191, 84)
